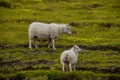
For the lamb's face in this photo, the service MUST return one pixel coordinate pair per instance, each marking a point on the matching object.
(67, 30)
(77, 48)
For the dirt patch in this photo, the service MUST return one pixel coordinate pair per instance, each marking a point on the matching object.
(5, 46)
(39, 62)
(97, 47)
(1, 59)
(116, 6)
(45, 62)
(22, 46)
(36, 51)
(90, 62)
(84, 24)
(101, 47)
(5, 4)
(29, 65)
(74, 24)
(10, 62)
(95, 5)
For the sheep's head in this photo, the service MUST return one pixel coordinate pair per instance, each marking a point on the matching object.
(77, 49)
(67, 29)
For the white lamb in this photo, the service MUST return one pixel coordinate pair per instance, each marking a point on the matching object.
(69, 57)
(43, 31)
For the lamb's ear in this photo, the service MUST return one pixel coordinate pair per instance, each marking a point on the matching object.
(68, 25)
(75, 46)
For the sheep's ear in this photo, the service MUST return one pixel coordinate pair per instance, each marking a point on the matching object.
(68, 25)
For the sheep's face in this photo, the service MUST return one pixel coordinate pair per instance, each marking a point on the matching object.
(67, 30)
(77, 49)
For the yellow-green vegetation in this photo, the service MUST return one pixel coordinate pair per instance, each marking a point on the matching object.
(95, 26)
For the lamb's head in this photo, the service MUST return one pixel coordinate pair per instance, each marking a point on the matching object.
(77, 49)
(67, 29)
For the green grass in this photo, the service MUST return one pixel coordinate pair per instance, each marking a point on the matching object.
(94, 21)
(98, 64)
(53, 75)
(95, 28)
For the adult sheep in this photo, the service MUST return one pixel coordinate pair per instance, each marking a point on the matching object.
(43, 31)
(69, 57)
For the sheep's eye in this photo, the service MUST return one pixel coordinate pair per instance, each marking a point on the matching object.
(68, 28)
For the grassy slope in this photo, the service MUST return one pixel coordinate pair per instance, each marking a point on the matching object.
(95, 25)
(96, 16)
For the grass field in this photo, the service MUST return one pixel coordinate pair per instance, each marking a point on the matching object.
(95, 28)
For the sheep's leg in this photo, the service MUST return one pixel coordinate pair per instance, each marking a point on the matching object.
(63, 66)
(30, 43)
(49, 43)
(53, 44)
(70, 66)
(34, 43)
(39, 42)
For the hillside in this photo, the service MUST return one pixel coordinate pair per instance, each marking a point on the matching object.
(95, 28)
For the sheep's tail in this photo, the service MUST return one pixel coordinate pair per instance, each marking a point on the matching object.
(66, 57)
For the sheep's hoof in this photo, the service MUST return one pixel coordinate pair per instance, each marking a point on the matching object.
(54, 48)
(30, 48)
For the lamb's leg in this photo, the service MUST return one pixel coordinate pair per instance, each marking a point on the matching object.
(74, 66)
(53, 44)
(49, 43)
(63, 66)
(30, 43)
(70, 66)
